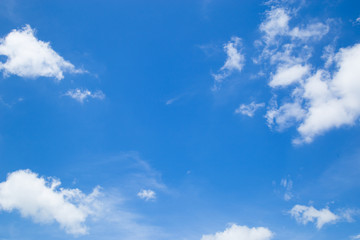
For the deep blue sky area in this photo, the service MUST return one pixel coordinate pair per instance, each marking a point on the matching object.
(183, 120)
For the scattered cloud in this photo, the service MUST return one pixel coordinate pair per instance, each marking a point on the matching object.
(147, 194)
(356, 237)
(235, 61)
(29, 57)
(287, 184)
(304, 214)
(44, 202)
(236, 232)
(249, 109)
(82, 95)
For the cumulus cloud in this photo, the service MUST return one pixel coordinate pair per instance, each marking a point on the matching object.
(81, 95)
(304, 214)
(44, 202)
(249, 109)
(320, 98)
(236, 232)
(325, 99)
(29, 57)
(288, 75)
(147, 194)
(234, 62)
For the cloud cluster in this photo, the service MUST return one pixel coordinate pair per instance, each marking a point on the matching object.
(81, 95)
(304, 214)
(234, 62)
(320, 98)
(236, 232)
(29, 57)
(44, 202)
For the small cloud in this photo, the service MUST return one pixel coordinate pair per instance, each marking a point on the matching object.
(235, 61)
(81, 95)
(249, 109)
(287, 184)
(147, 194)
(241, 233)
(172, 100)
(29, 57)
(305, 214)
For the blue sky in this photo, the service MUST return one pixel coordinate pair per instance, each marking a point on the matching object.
(183, 120)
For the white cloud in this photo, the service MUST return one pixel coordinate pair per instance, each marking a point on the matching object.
(234, 62)
(285, 116)
(147, 194)
(42, 200)
(276, 25)
(321, 98)
(81, 95)
(305, 214)
(236, 232)
(249, 109)
(288, 75)
(315, 31)
(30, 58)
(324, 100)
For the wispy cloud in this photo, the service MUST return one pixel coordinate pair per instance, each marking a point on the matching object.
(287, 184)
(250, 109)
(82, 95)
(234, 62)
(29, 57)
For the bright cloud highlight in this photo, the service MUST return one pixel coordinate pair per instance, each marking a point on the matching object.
(29, 57)
(44, 202)
(236, 232)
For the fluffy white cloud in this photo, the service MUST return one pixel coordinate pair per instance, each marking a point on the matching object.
(147, 194)
(324, 100)
(305, 214)
(42, 200)
(234, 62)
(288, 75)
(249, 109)
(321, 98)
(81, 95)
(235, 232)
(30, 58)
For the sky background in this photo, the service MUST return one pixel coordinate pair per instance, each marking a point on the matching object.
(176, 113)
